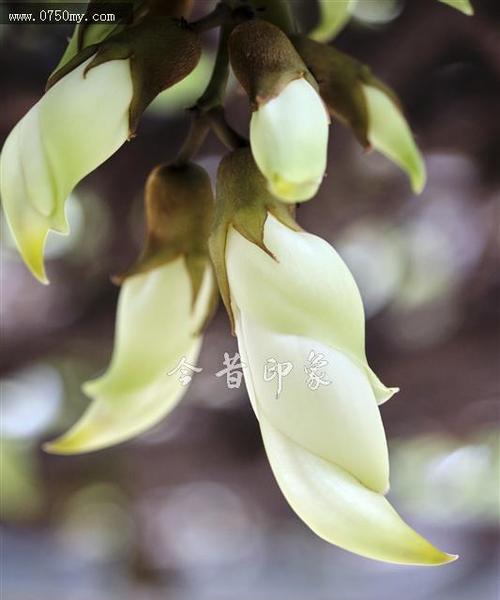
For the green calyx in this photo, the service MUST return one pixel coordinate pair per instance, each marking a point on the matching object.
(242, 202)
(179, 212)
(162, 51)
(340, 79)
(264, 60)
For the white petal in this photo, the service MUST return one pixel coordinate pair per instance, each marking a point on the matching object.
(155, 329)
(339, 421)
(389, 134)
(289, 139)
(333, 16)
(75, 127)
(307, 291)
(340, 509)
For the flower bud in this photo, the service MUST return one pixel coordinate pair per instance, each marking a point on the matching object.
(165, 301)
(289, 125)
(365, 104)
(295, 302)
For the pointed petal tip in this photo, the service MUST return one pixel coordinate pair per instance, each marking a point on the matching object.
(36, 267)
(60, 447)
(80, 439)
(418, 180)
(436, 559)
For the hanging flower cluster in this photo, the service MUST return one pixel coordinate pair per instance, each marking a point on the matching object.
(290, 298)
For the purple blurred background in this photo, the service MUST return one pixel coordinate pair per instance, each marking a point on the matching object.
(190, 511)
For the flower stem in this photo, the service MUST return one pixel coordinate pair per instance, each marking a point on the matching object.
(226, 134)
(219, 16)
(216, 88)
(208, 112)
(198, 131)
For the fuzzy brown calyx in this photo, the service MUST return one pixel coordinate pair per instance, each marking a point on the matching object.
(242, 202)
(340, 79)
(179, 212)
(264, 60)
(88, 33)
(162, 51)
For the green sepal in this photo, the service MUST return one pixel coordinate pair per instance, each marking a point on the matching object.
(340, 79)
(162, 51)
(242, 202)
(264, 60)
(179, 212)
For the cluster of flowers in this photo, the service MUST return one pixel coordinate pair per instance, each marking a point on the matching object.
(285, 290)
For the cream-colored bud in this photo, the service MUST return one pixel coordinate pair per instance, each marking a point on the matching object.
(289, 140)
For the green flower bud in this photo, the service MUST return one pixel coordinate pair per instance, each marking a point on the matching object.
(365, 104)
(165, 301)
(289, 125)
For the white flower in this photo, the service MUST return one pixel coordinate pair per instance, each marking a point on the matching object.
(156, 327)
(326, 446)
(289, 139)
(79, 123)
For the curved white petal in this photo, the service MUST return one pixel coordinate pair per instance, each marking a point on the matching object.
(307, 291)
(389, 134)
(289, 139)
(462, 5)
(339, 421)
(78, 124)
(156, 327)
(339, 509)
(333, 16)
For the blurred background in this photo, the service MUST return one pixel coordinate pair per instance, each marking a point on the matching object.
(190, 511)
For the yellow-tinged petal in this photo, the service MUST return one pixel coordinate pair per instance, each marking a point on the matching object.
(342, 511)
(74, 127)
(333, 16)
(289, 139)
(339, 420)
(156, 327)
(307, 290)
(390, 134)
(462, 5)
